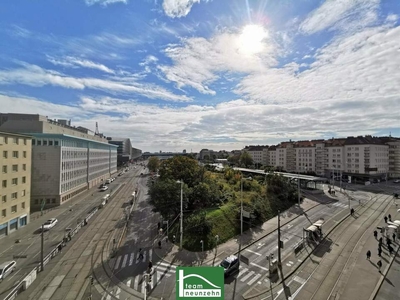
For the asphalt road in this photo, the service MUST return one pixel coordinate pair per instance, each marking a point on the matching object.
(30, 236)
(130, 271)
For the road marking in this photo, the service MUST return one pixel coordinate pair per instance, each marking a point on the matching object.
(117, 292)
(253, 264)
(124, 261)
(253, 252)
(117, 263)
(131, 259)
(136, 283)
(299, 280)
(290, 226)
(254, 279)
(242, 271)
(150, 254)
(144, 255)
(247, 276)
(15, 273)
(128, 283)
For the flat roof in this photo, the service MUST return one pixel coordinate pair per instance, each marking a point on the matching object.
(291, 175)
(15, 134)
(61, 135)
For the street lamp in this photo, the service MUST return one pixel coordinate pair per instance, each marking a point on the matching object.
(181, 219)
(202, 245)
(241, 209)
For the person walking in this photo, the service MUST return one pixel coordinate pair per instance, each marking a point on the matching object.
(385, 218)
(376, 234)
(158, 225)
(390, 248)
(173, 238)
(380, 241)
(140, 253)
(368, 255)
(150, 266)
(379, 263)
(394, 237)
(388, 241)
(390, 217)
(379, 251)
(352, 211)
(159, 244)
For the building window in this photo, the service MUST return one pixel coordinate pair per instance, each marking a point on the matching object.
(55, 143)
(23, 205)
(15, 168)
(4, 213)
(15, 140)
(39, 143)
(50, 143)
(5, 140)
(4, 198)
(4, 169)
(23, 193)
(13, 209)
(24, 167)
(5, 154)
(45, 143)
(24, 154)
(23, 179)
(24, 141)
(4, 184)
(14, 196)
(15, 154)
(14, 181)
(33, 142)
(53, 200)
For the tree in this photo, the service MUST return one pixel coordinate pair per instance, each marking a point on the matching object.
(182, 167)
(153, 164)
(234, 160)
(246, 159)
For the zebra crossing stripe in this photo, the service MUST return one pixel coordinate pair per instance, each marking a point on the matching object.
(150, 254)
(128, 283)
(131, 259)
(117, 263)
(247, 276)
(136, 283)
(255, 278)
(124, 261)
(117, 292)
(144, 255)
(242, 271)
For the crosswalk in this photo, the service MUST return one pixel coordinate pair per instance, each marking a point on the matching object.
(130, 259)
(338, 204)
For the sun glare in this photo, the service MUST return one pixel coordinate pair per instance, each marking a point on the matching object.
(251, 39)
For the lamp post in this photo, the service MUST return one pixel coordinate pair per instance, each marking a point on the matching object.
(216, 243)
(181, 216)
(202, 245)
(241, 209)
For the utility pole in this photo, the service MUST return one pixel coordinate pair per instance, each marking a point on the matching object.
(180, 244)
(41, 249)
(279, 239)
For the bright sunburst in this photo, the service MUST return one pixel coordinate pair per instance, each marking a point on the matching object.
(251, 39)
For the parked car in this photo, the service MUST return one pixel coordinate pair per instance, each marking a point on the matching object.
(7, 268)
(49, 224)
(108, 181)
(104, 188)
(397, 181)
(230, 264)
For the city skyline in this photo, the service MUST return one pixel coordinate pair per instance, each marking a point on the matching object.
(173, 75)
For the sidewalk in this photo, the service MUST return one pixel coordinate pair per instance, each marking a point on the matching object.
(171, 254)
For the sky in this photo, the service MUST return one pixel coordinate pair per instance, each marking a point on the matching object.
(216, 74)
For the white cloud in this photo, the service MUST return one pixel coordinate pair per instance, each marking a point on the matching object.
(197, 60)
(178, 8)
(73, 62)
(337, 14)
(104, 2)
(36, 76)
(392, 18)
(149, 60)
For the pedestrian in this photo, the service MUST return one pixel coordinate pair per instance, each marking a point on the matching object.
(140, 253)
(390, 248)
(388, 241)
(150, 266)
(376, 234)
(385, 219)
(159, 225)
(379, 251)
(394, 237)
(379, 263)
(352, 211)
(390, 217)
(368, 255)
(159, 244)
(380, 241)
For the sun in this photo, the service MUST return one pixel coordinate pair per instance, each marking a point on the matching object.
(251, 39)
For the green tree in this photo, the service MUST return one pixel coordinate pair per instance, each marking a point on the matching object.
(204, 195)
(182, 167)
(153, 164)
(246, 159)
(234, 160)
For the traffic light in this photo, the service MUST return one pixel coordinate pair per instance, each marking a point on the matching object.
(91, 280)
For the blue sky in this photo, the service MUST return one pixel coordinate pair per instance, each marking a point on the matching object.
(193, 74)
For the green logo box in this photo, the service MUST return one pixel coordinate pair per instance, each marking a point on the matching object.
(199, 283)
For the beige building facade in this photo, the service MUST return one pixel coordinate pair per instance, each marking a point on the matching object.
(15, 179)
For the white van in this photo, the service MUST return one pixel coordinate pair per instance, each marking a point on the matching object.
(6, 269)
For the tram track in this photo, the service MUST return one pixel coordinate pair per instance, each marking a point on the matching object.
(76, 263)
(351, 233)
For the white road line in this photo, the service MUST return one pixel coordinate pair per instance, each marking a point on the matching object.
(117, 263)
(253, 264)
(136, 283)
(167, 265)
(128, 283)
(299, 280)
(150, 254)
(108, 297)
(242, 272)
(144, 255)
(131, 259)
(124, 261)
(248, 250)
(15, 273)
(117, 292)
(247, 276)
(143, 286)
(255, 278)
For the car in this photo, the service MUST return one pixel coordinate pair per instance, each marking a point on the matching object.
(104, 188)
(108, 181)
(49, 224)
(7, 268)
(230, 264)
(397, 181)
(141, 174)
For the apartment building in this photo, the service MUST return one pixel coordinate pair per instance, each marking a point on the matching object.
(124, 149)
(15, 178)
(305, 156)
(66, 160)
(257, 153)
